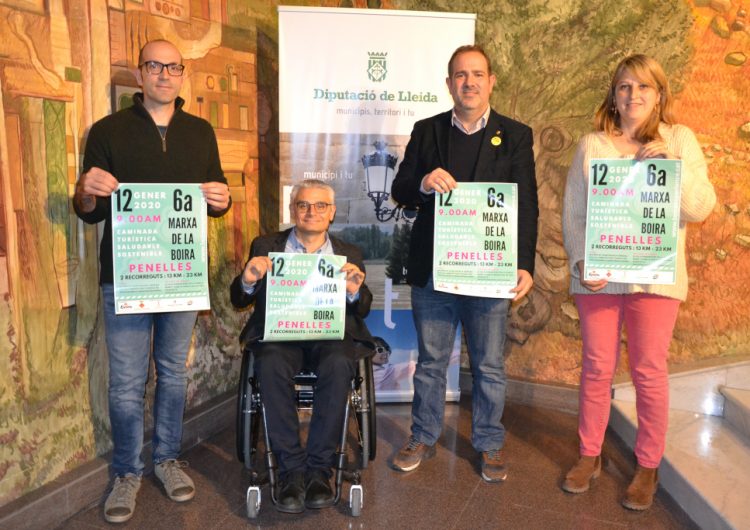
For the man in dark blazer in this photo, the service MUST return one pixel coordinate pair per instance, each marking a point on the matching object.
(305, 474)
(471, 143)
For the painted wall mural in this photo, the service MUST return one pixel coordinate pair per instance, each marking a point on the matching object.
(64, 64)
(553, 61)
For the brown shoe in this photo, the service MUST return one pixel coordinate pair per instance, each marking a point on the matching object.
(411, 455)
(493, 466)
(580, 475)
(640, 493)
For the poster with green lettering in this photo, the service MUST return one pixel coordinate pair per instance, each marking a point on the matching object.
(159, 248)
(476, 247)
(305, 297)
(632, 220)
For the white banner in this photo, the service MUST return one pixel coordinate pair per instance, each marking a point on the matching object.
(365, 71)
(352, 83)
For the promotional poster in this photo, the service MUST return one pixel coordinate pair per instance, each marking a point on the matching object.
(305, 297)
(632, 220)
(159, 248)
(476, 227)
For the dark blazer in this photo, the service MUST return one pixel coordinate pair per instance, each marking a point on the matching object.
(511, 161)
(355, 313)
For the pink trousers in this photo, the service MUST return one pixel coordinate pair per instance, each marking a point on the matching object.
(649, 321)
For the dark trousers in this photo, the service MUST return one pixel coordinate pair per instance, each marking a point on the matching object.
(276, 364)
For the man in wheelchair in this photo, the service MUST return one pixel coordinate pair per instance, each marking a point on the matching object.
(305, 473)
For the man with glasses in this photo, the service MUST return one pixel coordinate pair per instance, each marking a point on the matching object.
(305, 474)
(154, 141)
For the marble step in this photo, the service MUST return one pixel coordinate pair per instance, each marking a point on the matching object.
(737, 409)
(698, 390)
(706, 465)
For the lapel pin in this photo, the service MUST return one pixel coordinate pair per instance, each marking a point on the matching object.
(496, 140)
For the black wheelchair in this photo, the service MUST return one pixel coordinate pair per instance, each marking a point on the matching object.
(250, 412)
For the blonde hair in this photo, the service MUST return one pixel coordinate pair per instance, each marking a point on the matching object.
(647, 71)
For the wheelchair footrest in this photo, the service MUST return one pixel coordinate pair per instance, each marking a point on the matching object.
(353, 477)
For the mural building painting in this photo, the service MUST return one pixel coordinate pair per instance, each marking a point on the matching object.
(65, 64)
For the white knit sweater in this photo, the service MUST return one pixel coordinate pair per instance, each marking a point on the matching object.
(697, 200)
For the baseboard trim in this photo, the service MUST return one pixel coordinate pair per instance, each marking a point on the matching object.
(83, 487)
(557, 397)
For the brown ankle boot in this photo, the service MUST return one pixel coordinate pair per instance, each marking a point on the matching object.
(579, 477)
(640, 494)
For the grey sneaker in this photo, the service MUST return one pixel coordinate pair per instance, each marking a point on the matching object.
(411, 455)
(493, 466)
(120, 503)
(178, 485)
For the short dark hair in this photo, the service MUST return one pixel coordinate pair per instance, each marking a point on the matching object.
(140, 53)
(466, 49)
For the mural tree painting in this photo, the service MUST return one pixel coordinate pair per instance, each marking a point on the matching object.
(553, 61)
(553, 58)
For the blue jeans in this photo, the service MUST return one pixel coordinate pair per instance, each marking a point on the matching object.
(129, 342)
(436, 317)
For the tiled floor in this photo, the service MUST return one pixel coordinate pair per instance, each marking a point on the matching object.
(445, 492)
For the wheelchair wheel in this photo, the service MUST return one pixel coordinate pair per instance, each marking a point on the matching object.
(367, 420)
(372, 417)
(247, 417)
(355, 500)
(252, 502)
(243, 394)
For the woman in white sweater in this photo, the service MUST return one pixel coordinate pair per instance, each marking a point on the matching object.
(634, 121)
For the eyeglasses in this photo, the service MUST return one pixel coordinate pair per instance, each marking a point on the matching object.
(304, 206)
(155, 68)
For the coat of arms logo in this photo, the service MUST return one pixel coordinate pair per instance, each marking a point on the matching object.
(376, 66)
